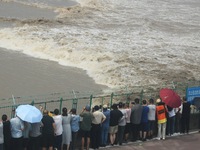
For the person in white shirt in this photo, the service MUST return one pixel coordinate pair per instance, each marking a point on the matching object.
(151, 118)
(58, 129)
(128, 122)
(99, 117)
(170, 121)
(1, 136)
(17, 126)
(122, 123)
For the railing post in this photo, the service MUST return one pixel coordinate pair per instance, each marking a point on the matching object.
(111, 99)
(141, 95)
(102, 101)
(61, 100)
(74, 105)
(45, 105)
(91, 96)
(32, 103)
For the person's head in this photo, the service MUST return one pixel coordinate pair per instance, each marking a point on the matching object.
(158, 101)
(137, 101)
(56, 112)
(73, 111)
(87, 108)
(114, 106)
(4, 117)
(105, 107)
(120, 105)
(184, 99)
(127, 105)
(144, 102)
(151, 101)
(64, 111)
(45, 112)
(96, 107)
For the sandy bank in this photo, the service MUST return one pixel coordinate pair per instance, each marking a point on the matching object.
(21, 75)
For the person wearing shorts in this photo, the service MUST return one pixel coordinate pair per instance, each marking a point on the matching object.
(85, 126)
(115, 116)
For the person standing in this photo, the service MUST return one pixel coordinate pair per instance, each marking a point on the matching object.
(17, 126)
(1, 136)
(144, 121)
(58, 129)
(67, 133)
(128, 122)
(170, 121)
(85, 127)
(98, 119)
(115, 116)
(122, 123)
(185, 117)
(26, 131)
(35, 136)
(6, 132)
(136, 114)
(74, 127)
(105, 126)
(177, 120)
(162, 119)
(151, 118)
(48, 127)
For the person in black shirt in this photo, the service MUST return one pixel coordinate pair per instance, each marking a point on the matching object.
(48, 126)
(6, 132)
(185, 117)
(115, 116)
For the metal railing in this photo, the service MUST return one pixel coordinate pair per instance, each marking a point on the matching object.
(75, 99)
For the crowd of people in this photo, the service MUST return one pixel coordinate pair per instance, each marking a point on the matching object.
(98, 126)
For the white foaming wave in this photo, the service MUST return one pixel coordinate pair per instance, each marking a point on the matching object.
(48, 49)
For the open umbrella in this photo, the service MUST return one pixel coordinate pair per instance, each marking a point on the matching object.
(196, 102)
(170, 98)
(29, 113)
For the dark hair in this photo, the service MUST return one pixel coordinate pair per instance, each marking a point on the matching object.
(137, 100)
(144, 102)
(184, 98)
(56, 111)
(4, 117)
(73, 110)
(169, 108)
(64, 111)
(120, 104)
(96, 107)
(114, 106)
(151, 101)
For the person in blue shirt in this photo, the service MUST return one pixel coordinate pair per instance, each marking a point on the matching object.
(105, 126)
(74, 127)
(144, 121)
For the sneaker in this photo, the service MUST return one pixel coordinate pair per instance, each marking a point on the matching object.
(157, 138)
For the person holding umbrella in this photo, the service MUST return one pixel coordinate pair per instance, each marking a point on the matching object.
(17, 126)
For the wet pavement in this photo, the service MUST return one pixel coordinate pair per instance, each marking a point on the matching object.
(178, 142)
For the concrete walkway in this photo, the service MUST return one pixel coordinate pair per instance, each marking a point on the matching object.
(189, 141)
